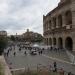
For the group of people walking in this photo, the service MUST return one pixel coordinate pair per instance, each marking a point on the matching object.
(27, 47)
(9, 49)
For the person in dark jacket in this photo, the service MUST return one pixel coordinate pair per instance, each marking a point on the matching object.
(55, 66)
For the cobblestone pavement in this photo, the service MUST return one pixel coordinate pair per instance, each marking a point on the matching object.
(25, 61)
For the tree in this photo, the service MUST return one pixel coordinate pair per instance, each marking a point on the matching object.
(38, 38)
(3, 44)
(13, 38)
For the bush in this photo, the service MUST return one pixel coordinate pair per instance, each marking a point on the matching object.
(3, 44)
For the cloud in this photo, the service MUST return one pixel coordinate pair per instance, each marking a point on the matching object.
(18, 15)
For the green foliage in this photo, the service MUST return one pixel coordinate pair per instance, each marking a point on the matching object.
(3, 44)
(12, 38)
(39, 38)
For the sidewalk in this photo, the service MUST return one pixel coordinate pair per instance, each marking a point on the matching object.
(5, 66)
(67, 66)
(62, 55)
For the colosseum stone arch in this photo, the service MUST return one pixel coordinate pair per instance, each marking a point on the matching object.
(60, 23)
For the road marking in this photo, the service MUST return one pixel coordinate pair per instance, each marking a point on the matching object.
(57, 59)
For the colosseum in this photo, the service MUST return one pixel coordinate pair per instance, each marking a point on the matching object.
(59, 26)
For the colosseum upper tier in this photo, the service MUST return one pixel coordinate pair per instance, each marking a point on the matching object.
(59, 26)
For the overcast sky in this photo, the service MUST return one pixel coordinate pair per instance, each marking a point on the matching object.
(18, 15)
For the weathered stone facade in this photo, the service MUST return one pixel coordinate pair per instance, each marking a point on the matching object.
(59, 26)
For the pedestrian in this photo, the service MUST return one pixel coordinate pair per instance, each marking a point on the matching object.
(51, 47)
(8, 51)
(69, 73)
(39, 52)
(55, 66)
(20, 49)
(25, 52)
(7, 54)
(14, 53)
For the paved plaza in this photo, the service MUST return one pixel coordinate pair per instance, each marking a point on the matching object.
(20, 60)
(60, 55)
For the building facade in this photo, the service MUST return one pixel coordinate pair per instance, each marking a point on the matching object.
(3, 33)
(31, 36)
(59, 26)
